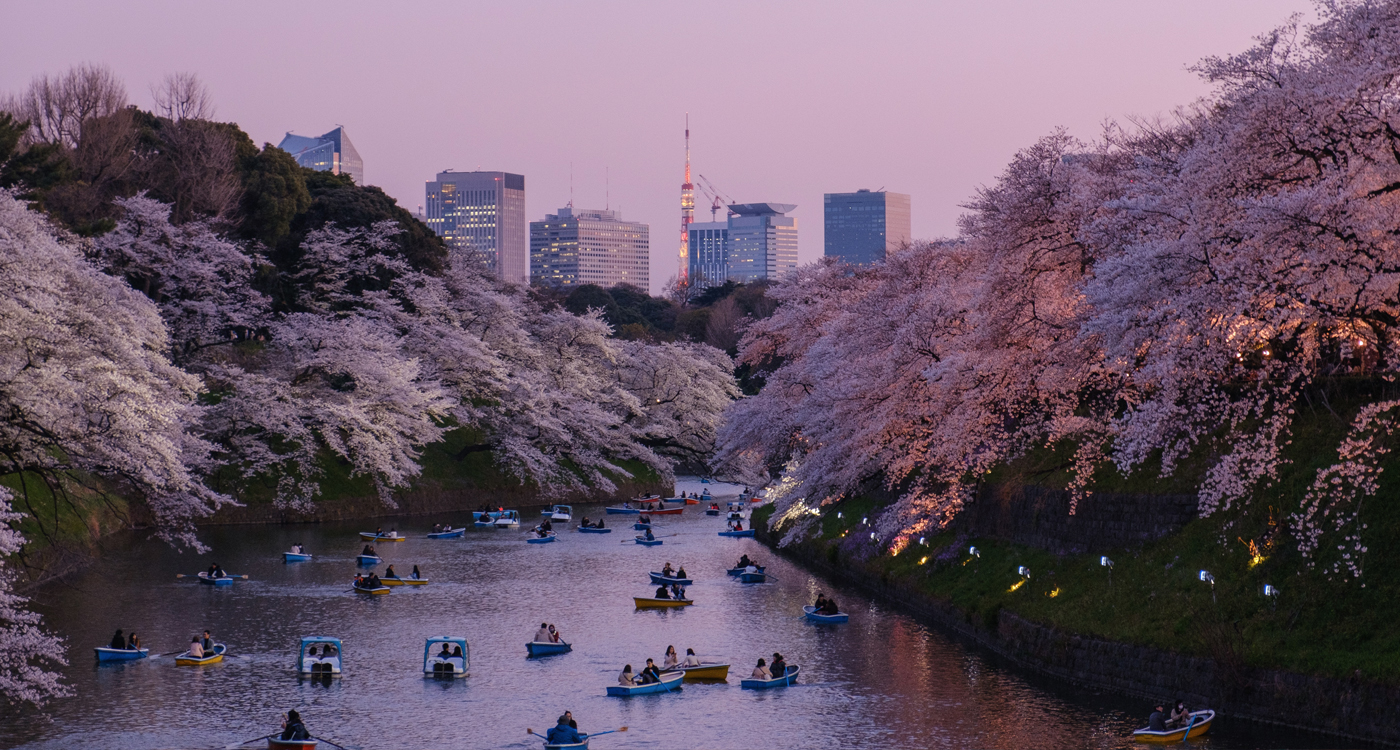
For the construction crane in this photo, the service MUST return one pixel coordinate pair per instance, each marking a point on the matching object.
(718, 200)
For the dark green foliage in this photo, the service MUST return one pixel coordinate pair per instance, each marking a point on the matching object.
(631, 312)
(274, 193)
(33, 170)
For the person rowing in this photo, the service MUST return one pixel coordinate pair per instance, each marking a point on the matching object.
(738, 525)
(662, 593)
(553, 634)
(829, 608)
(216, 571)
(1157, 721)
(744, 562)
(650, 537)
(374, 582)
(650, 674)
(564, 734)
(542, 635)
(584, 524)
(779, 665)
(133, 643)
(389, 572)
(667, 571)
(293, 728)
(118, 641)
(208, 642)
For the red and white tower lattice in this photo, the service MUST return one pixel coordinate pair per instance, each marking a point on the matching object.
(687, 209)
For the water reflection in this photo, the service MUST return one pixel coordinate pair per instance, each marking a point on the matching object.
(880, 681)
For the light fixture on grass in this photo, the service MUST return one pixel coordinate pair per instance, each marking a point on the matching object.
(1208, 578)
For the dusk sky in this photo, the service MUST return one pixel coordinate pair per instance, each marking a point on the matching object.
(787, 100)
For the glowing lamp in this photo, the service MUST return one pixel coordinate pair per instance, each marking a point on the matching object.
(973, 551)
(921, 541)
(1105, 562)
(1270, 590)
(838, 514)
(1024, 572)
(1207, 577)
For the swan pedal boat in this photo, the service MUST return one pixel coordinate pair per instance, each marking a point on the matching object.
(397, 581)
(647, 542)
(449, 534)
(275, 744)
(370, 536)
(224, 580)
(372, 592)
(594, 530)
(647, 602)
(705, 671)
(745, 532)
(546, 539)
(295, 557)
(121, 654)
(535, 648)
(185, 660)
(669, 681)
(814, 616)
(1199, 724)
(368, 559)
(662, 580)
(783, 681)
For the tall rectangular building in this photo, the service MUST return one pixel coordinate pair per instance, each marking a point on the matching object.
(332, 152)
(863, 227)
(762, 241)
(709, 253)
(483, 212)
(577, 246)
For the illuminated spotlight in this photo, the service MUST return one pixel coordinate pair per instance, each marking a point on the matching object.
(1054, 593)
(865, 520)
(923, 559)
(1208, 578)
(1270, 590)
(872, 535)
(1104, 561)
(974, 552)
(1024, 572)
(922, 542)
(838, 514)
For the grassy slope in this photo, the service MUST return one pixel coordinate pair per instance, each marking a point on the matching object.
(1154, 596)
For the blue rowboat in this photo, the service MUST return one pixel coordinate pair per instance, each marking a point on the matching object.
(737, 571)
(783, 681)
(639, 526)
(534, 648)
(224, 580)
(812, 615)
(594, 530)
(647, 542)
(669, 681)
(661, 580)
(757, 576)
(745, 532)
(121, 654)
(543, 539)
(484, 523)
(617, 509)
(368, 559)
(712, 511)
(295, 557)
(449, 534)
(705, 480)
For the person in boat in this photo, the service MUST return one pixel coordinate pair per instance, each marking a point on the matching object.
(738, 525)
(563, 734)
(691, 660)
(677, 592)
(548, 525)
(821, 601)
(208, 642)
(374, 581)
(570, 716)
(1157, 721)
(359, 581)
(667, 571)
(446, 652)
(761, 672)
(329, 650)
(662, 593)
(379, 531)
(437, 527)
(293, 728)
(196, 648)
(598, 525)
(744, 562)
(584, 523)
(681, 573)
(118, 640)
(1179, 715)
(553, 634)
(542, 635)
(644, 518)
(389, 572)
(660, 504)
(627, 505)
(416, 574)
(670, 660)
(779, 666)
(829, 608)
(368, 550)
(132, 642)
(650, 536)
(650, 674)
(627, 678)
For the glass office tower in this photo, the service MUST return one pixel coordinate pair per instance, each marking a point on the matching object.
(709, 253)
(863, 227)
(577, 246)
(762, 241)
(332, 152)
(483, 213)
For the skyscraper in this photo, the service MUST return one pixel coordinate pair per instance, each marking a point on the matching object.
(862, 227)
(331, 152)
(578, 246)
(709, 253)
(483, 212)
(762, 241)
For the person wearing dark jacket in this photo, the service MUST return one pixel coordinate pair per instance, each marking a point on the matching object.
(118, 641)
(650, 673)
(662, 593)
(1157, 721)
(563, 734)
(293, 729)
(779, 666)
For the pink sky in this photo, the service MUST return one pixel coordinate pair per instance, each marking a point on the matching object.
(787, 100)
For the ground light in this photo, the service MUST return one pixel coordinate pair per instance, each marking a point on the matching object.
(1025, 574)
(1208, 578)
(1272, 594)
(1107, 563)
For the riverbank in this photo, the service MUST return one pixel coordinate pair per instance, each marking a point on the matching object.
(983, 600)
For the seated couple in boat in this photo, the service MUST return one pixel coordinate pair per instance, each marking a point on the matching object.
(329, 651)
(586, 525)
(544, 529)
(393, 533)
(368, 582)
(1160, 722)
(369, 550)
(745, 562)
(668, 572)
(767, 672)
(736, 525)
(129, 643)
(216, 571)
(676, 591)
(648, 676)
(389, 573)
(671, 661)
(547, 634)
(293, 728)
(297, 549)
(825, 606)
(449, 651)
(650, 537)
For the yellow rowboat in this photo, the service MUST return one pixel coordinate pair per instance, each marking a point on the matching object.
(382, 590)
(404, 581)
(185, 660)
(1198, 723)
(644, 602)
(704, 672)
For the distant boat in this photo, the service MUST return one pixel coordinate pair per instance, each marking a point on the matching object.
(376, 536)
(455, 665)
(559, 513)
(669, 681)
(536, 648)
(647, 542)
(594, 530)
(121, 654)
(706, 671)
(815, 616)
(368, 559)
(622, 510)
(731, 532)
(662, 580)
(754, 576)
(639, 526)
(185, 660)
(546, 539)
(646, 602)
(1198, 724)
(448, 534)
(295, 557)
(275, 744)
(319, 665)
(737, 571)
(371, 591)
(781, 681)
(705, 480)
(398, 581)
(508, 519)
(223, 580)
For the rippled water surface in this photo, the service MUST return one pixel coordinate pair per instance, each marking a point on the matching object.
(881, 681)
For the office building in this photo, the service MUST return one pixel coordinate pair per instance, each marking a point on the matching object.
(762, 241)
(709, 253)
(483, 213)
(863, 227)
(332, 152)
(578, 246)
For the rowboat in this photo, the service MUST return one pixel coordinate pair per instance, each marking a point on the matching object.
(594, 530)
(185, 660)
(622, 510)
(712, 511)
(570, 746)
(368, 559)
(647, 542)
(398, 581)
(745, 532)
(692, 500)
(640, 526)
(814, 616)
(546, 539)
(705, 671)
(121, 654)
(323, 664)
(374, 536)
(662, 580)
(295, 557)
(224, 580)
(676, 511)
(449, 534)
(275, 744)
(1198, 724)
(782, 681)
(455, 665)
(705, 480)
(737, 571)
(755, 576)
(646, 602)
(508, 519)
(669, 681)
(535, 648)
(559, 513)
(372, 592)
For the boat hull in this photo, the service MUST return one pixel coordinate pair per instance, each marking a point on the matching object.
(692, 501)
(661, 580)
(404, 581)
(645, 602)
(712, 512)
(543, 539)
(368, 559)
(121, 654)
(371, 537)
(545, 649)
(453, 534)
(704, 672)
(204, 578)
(592, 530)
(382, 590)
(811, 614)
(753, 577)
(647, 542)
(745, 532)
(639, 526)
(622, 511)
(669, 681)
(275, 744)
(784, 681)
(740, 571)
(185, 660)
(295, 557)
(1198, 728)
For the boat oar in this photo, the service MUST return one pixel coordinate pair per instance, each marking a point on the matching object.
(610, 731)
(244, 742)
(182, 575)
